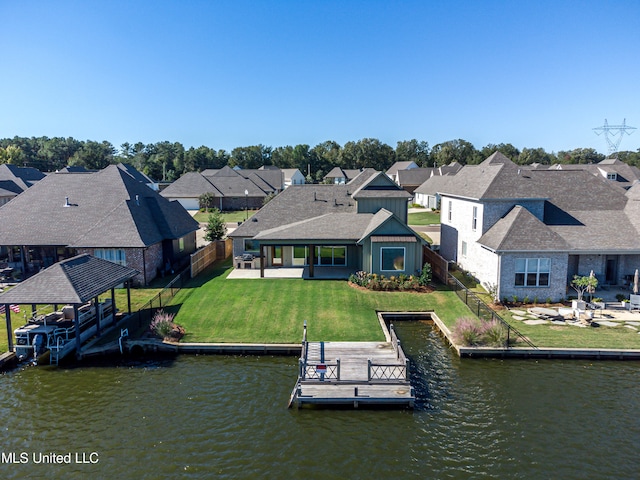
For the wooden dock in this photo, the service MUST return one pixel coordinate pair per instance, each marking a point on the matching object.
(353, 373)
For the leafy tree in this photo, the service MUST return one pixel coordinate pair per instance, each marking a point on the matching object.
(580, 155)
(529, 156)
(367, 153)
(508, 150)
(12, 154)
(582, 284)
(206, 201)
(413, 151)
(459, 151)
(215, 228)
(250, 157)
(93, 155)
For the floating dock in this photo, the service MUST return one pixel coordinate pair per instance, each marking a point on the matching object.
(353, 373)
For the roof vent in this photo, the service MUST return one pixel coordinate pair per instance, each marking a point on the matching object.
(66, 202)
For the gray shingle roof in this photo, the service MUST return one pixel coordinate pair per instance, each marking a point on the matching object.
(414, 176)
(520, 230)
(190, 185)
(106, 209)
(75, 280)
(327, 227)
(24, 177)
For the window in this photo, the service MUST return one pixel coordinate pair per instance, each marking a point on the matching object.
(300, 255)
(331, 256)
(464, 249)
(532, 272)
(474, 221)
(181, 244)
(450, 208)
(251, 245)
(392, 259)
(612, 176)
(115, 255)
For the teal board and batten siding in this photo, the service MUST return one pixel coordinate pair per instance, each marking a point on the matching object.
(397, 206)
(372, 254)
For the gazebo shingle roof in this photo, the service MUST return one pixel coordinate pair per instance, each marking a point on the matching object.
(75, 280)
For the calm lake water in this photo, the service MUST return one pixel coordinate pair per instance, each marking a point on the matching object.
(226, 417)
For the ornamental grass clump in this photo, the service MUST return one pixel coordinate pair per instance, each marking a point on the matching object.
(494, 333)
(467, 331)
(472, 332)
(162, 324)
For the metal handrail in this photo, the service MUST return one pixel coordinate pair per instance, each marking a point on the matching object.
(479, 303)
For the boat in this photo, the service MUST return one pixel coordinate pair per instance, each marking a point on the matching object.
(55, 333)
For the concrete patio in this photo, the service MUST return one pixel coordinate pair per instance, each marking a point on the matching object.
(319, 273)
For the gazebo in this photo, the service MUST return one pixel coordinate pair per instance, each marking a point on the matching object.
(74, 282)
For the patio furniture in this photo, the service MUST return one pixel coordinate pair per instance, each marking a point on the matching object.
(634, 302)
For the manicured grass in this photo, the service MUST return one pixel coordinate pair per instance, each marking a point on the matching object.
(424, 218)
(273, 310)
(229, 217)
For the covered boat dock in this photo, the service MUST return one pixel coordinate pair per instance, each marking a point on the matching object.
(75, 283)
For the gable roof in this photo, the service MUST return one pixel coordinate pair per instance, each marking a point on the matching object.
(23, 177)
(191, 184)
(377, 185)
(405, 165)
(102, 209)
(414, 176)
(297, 203)
(75, 280)
(520, 230)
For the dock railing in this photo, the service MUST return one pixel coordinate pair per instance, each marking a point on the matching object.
(390, 371)
(321, 371)
(483, 311)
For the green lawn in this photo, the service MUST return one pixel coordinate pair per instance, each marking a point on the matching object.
(229, 217)
(424, 218)
(273, 310)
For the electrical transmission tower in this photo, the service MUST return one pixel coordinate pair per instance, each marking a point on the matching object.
(613, 135)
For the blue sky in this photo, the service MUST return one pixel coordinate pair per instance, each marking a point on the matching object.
(237, 73)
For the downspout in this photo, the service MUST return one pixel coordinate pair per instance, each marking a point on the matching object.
(498, 282)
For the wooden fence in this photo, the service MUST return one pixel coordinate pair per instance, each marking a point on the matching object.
(217, 250)
(439, 266)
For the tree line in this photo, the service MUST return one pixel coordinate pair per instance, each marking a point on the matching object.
(168, 161)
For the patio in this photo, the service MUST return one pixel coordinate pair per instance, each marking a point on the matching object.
(319, 273)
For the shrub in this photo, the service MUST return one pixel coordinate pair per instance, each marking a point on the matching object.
(525, 299)
(162, 323)
(620, 297)
(548, 301)
(515, 298)
(425, 275)
(360, 278)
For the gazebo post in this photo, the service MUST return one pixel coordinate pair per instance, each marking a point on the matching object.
(263, 259)
(113, 304)
(96, 309)
(33, 309)
(129, 297)
(76, 321)
(7, 312)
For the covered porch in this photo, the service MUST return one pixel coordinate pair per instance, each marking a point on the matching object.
(319, 273)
